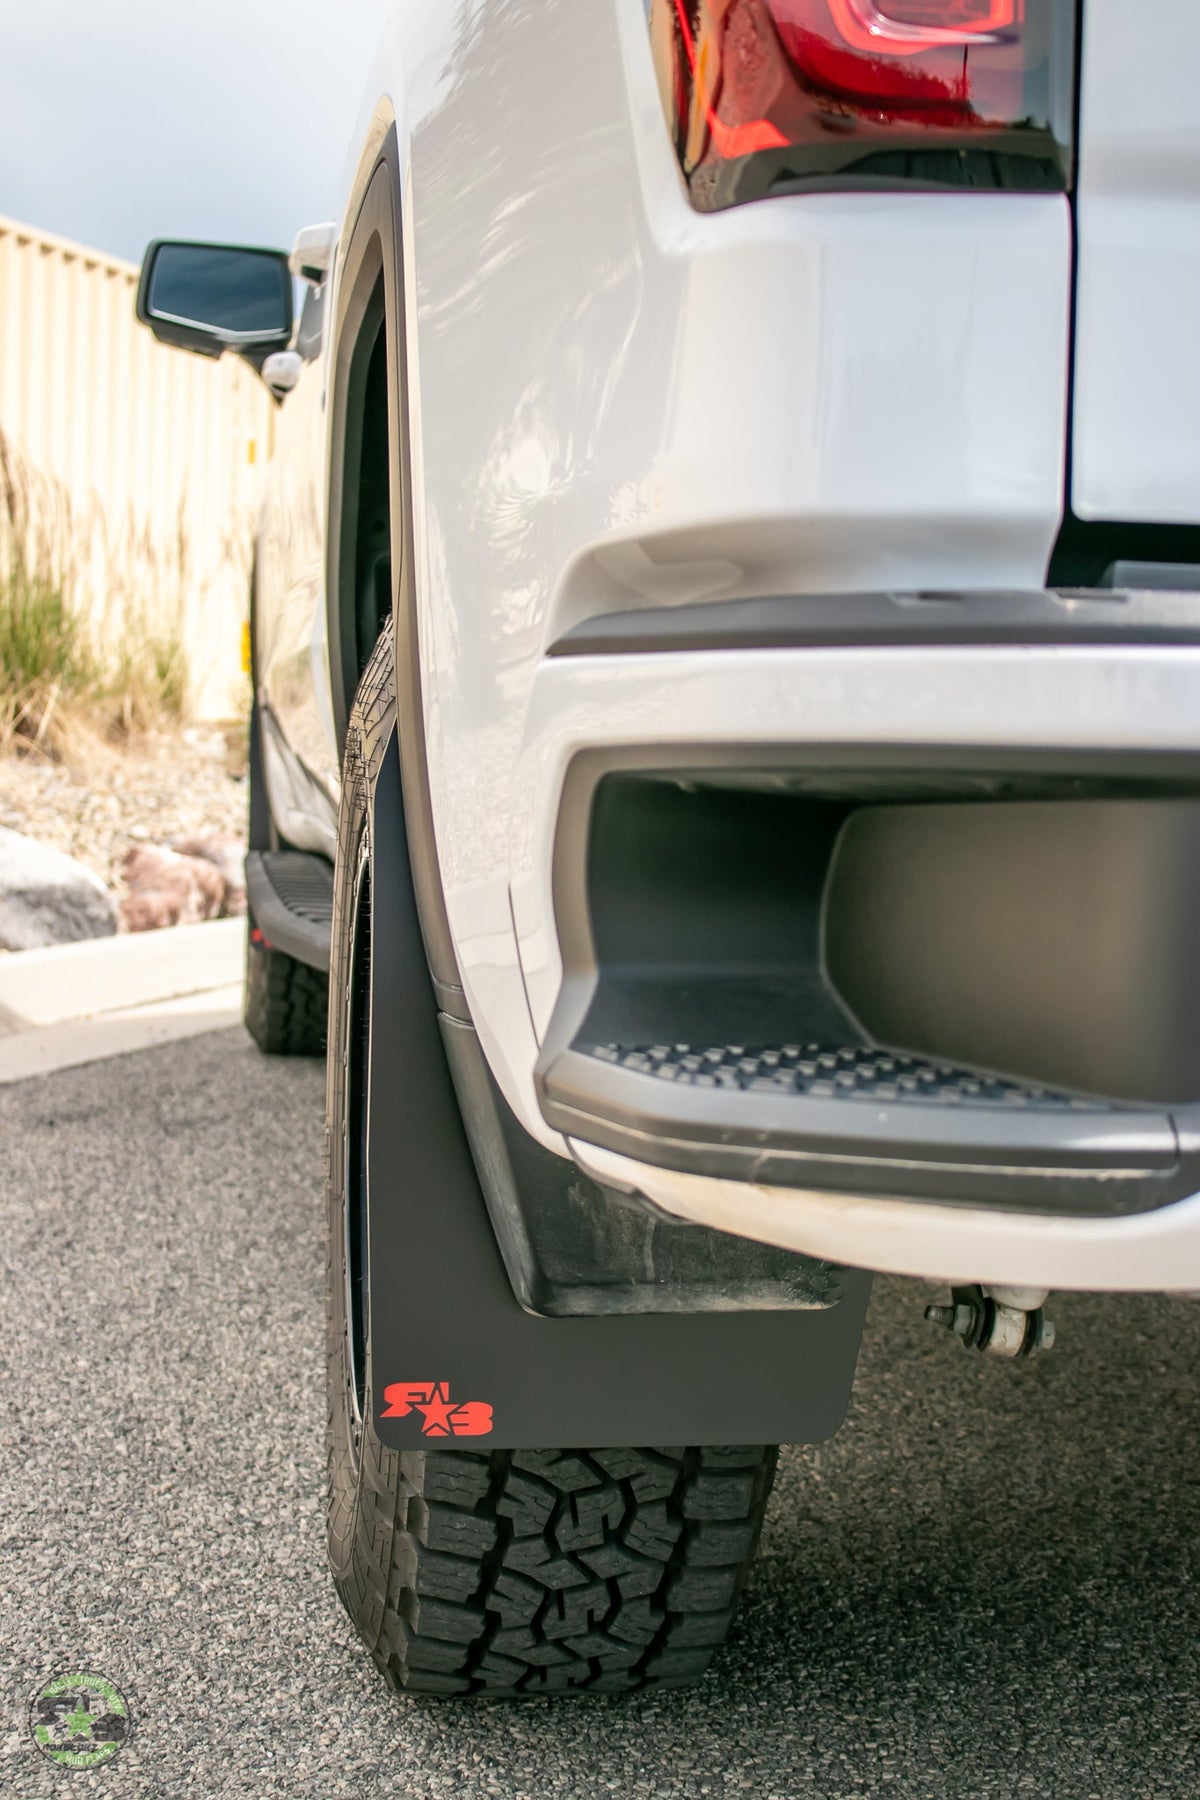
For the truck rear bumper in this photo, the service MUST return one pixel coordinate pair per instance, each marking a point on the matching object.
(1155, 1252)
(854, 912)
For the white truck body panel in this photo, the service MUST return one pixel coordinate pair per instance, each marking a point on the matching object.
(1137, 345)
(822, 393)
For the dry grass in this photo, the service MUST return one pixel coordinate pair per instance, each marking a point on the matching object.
(63, 685)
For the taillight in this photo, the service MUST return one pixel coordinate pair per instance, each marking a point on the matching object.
(767, 96)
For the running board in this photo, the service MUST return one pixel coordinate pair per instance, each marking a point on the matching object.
(290, 897)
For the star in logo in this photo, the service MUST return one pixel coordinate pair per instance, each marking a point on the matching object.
(438, 1413)
(79, 1722)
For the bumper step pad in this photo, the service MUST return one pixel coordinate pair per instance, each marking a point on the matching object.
(822, 1071)
(859, 1119)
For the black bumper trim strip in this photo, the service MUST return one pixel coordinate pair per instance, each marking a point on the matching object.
(860, 621)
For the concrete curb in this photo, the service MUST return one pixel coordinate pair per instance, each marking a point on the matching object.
(26, 1054)
(80, 1003)
(105, 975)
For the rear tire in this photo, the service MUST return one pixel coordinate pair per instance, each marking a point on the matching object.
(285, 1003)
(530, 1572)
(509, 1572)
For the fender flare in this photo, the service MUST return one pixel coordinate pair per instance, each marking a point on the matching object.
(370, 294)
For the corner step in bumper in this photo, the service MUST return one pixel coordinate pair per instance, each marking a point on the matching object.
(290, 896)
(857, 1119)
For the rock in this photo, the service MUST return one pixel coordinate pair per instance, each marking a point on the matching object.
(166, 793)
(168, 889)
(48, 898)
(229, 855)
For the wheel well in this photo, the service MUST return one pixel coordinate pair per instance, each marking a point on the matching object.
(368, 482)
(364, 596)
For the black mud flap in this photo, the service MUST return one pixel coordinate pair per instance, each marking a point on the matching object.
(454, 1357)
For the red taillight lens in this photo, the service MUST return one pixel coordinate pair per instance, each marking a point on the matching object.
(766, 95)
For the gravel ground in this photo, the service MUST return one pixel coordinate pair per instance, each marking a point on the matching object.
(985, 1586)
(183, 786)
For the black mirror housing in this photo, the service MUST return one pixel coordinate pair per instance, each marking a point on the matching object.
(210, 298)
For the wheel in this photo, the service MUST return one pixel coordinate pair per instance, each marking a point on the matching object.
(285, 1003)
(510, 1571)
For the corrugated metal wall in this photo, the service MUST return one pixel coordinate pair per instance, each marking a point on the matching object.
(148, 461)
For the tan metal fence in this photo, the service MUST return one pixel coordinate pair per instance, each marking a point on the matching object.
(147, 463)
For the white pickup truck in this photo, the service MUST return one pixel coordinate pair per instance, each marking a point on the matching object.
(726, 756)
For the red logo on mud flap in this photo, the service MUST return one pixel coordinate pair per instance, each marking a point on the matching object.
(443, 1417)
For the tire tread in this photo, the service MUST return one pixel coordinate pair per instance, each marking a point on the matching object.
(286, 1003)
(503, 1580)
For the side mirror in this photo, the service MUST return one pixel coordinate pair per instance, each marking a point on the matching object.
(214, 297)
(282, 370)
(313, 251)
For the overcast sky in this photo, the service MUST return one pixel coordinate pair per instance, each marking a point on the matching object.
(121, 121)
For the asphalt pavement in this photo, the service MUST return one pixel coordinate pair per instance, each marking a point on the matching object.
(985, 1586)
